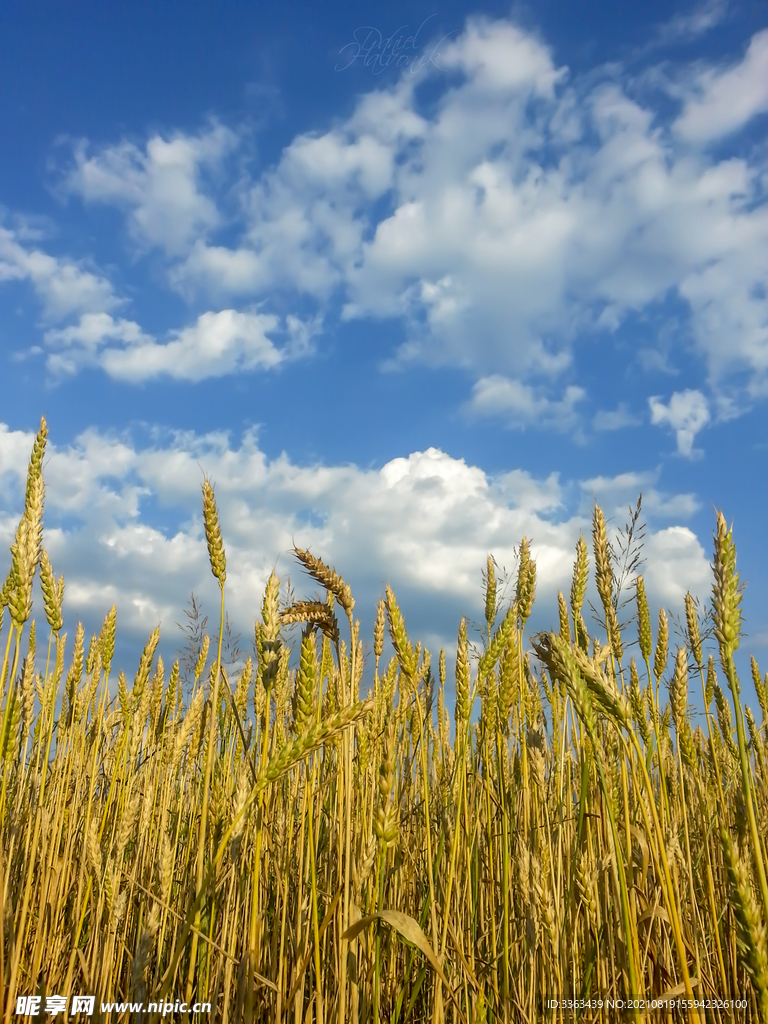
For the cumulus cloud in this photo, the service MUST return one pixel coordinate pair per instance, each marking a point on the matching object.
(687, 413)
(159, 186)
(63, 286)
(521, 406)
(522, 490)
(216, 345)
(497, 55)
(94, 328)
(676, 563)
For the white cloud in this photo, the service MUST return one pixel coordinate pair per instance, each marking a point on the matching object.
(687, 413)
(521, 215)
(616, 495)
(722, 101)
(521, 490)
(160, 186)
(424, 523)
(93, 328)
(701, 19)
(216, 345)
(654, 361)
(676, 563)
(497, 55)
(521, 406)
(222, 270)
(615, 419)
(62, 285)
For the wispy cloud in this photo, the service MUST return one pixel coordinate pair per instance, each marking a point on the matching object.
(701, 19)
(615, 419)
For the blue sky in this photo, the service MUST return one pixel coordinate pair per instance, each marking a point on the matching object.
(406, 283)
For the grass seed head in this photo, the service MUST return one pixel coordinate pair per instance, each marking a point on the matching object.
(638, 704)
(490, 593)
(242, 688)
(761, 689)
(561, 661)
(726, 722)
(662, 646)
(580, 577)
(751, 931)
(52, 593)
(216, 552)
(678, 688)
(509, 679)
(202, 658)
(726, 591)
(462, 677)
(692, 626)
(614, 633)
(378, 629)
(602, 552)
(643, 620)
(315, 613)
(406, 655)
(386, 825)
(601, 686)
(36, 459)
(525, 592)
(328, 577)
(562, 607)
(497, 644)
(306, 684)
(93, 849)
(75, 675)
(142, 676)
(270, 607)
(107, 639)
(711, 683)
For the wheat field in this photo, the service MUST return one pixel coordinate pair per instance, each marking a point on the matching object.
(287, 849)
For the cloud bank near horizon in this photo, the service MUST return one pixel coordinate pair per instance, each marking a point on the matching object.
(425, 524)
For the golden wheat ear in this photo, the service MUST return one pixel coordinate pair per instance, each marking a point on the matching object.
(328, 577)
